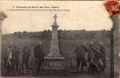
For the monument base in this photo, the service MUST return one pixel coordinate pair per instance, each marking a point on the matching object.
(54, 63)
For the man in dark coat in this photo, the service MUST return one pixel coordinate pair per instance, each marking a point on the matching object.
(26, 56)
(96, 59)
(16, 52)
(92, 59)
(39, 56)
(103, 56)
(81, 58)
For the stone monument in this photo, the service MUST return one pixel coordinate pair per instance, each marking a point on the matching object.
(2, 17)
(54, 58)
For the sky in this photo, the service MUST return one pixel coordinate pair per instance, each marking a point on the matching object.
(88, 15)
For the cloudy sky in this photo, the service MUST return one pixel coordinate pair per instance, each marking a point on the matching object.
(89, 15)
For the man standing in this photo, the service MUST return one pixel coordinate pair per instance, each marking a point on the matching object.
(103, 56)
(39, 56)
(81, 56)
(9, 59)
(26, 56)
(92, 59)
(15, 57)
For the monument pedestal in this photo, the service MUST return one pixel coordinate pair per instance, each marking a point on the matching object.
(54, 63)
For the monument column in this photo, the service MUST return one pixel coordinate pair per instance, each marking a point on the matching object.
(54, 58)
(54, 47)
(2, 17)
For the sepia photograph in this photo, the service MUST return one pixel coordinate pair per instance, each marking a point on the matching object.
(59, 39)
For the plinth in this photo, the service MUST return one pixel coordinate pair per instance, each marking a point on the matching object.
(54, 59)
(54, 63)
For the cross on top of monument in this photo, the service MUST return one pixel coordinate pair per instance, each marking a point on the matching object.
(55, 17)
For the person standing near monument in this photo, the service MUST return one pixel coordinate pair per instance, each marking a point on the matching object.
(26, 56)
(9, 59)
(13, 57)
(39, 56)
(103, 56)
(16, 52)
(92, 59)
(96, 58)
(81, 56)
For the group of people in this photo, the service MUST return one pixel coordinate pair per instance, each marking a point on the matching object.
(91, 56)
(13, 55)
(87, 55)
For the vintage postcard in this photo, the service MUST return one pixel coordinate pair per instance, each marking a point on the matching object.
(59, 39)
